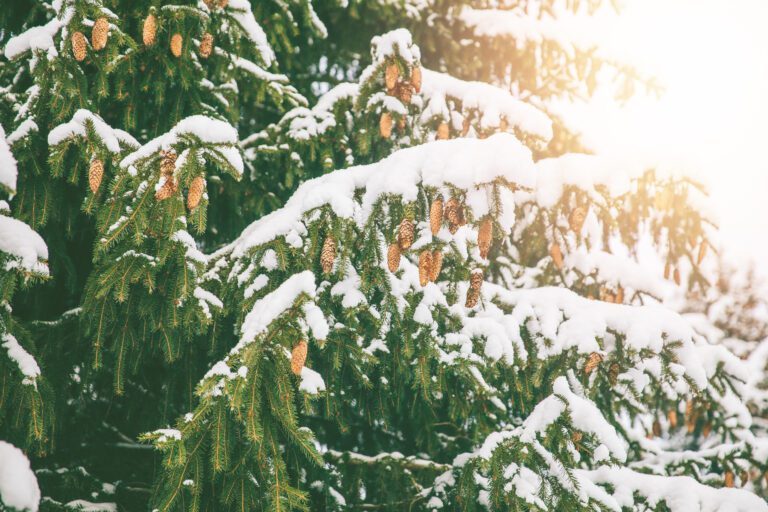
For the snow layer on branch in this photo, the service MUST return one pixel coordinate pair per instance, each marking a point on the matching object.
(463, 163)
(492, 102)
(23, 359)
(304, 123)
(41, 37)
(18, 485)
(8, 170)
(207, 130)
(680, 493)
(110, 137)
(570, 321)
(384, 46)
(24, 244)
(240, 10)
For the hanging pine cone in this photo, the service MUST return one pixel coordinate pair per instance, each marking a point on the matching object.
(473, 293)
(702, 252)
(206, 45)
(672, 417)
(465, 125)
(436, 215)
(485, 236)
(656, 428)
(425, 267)
(167, 189)
(328, 254)
(557, 255)
(176, 43)
(210, 3)
(503, 124)
(391, 73)
(79, 44)
(393, 257)
(100, 33)
(729, 478)
(744, 478)
(620, 295)
(298, 357)
(223, 3)
(416, 78)
(195, 192)
(443, 132)
(437, 265)
(404, 93)
(95, 174)
(576, 219)
(385, 125)
(706, 429)
(405, 234)
(613, 373)
(452, 214)
(149, 32)
(593, 361)
(168, 163)
(676, 276)
(667, 269)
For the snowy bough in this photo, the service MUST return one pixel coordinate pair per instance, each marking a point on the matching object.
(434, 308)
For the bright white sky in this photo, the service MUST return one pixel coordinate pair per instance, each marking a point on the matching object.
(712, 56)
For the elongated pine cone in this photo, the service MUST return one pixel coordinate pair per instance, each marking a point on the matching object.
(298, 357)
(195, 192)
(149, 32)
(436, 215)
(706, 429)
(328, 254)
(576, 219)
(453, 214)
(100, 33)
(437, 265)
(620, 295)
(593, 361)
(391, 73)
(176, 43)
(223, 3)
(473, 293)
(656, 428)
(425, 267)
(404, 93)
(95, 174)
(79, 45)
(702, 252)
(503, 124)
(168, 163)
(206, 45)
(405, 234)
(393, 257)
(385, 125)
(729, 478)
(465, 125)
(167, 189)
(443, 132)
(672, 417)
(485, 237)
(416, 78)
(676, 276)
(557, 255)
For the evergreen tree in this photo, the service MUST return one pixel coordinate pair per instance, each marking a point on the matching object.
(415, 290)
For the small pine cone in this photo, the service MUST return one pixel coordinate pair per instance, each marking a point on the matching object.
(149, 33)
(405, 234)
(443, 132)
(672, 417)
(676, 276)
(176, 43)
(667, 270)
(485, 236)
(79, 45)
(576, 219)
(702, 252)
(195, 192)
(206, 45)
(473, 293)
(620, 295)
(503, 124)
(706, 429)
(613, 373)
(416, 78)
(393, 257)
(576, 436)
(168, 164)
(391, 74)
(656, 428)
(385, 125)
(465, 126)
(436, 215)
(401, 124)
(328, 254)
(298, 357)
(95, 174)
(744, 478)
(688, 409)
(405, 93)
(557, 255)
(729, 478)
(167, 189)
(100, 33)
(452, 211)
(593, 361)
(425, 267)
(437, 265)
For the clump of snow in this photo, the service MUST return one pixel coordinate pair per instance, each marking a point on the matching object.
(26, 363)
(25, 246)
(81, 121)
(18, 485)
(8, 171)
(240, 10)
(311, 381)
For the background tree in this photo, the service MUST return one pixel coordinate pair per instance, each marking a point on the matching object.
(421, 331)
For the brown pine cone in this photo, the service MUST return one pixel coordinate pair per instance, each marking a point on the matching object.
(416, 78)
(702, 252)
(95, 174)
(298, 357)
(176, 44)
(393, 257)
(206, 45)
(672, 417)
(473, 293)
(328, 254)
(195, 192)
(149, 32)
(391, 73)
(465, 126)
(79, 45)
(168, 163)
(503, 124)
(443, 131)
(557, 255)
(385, 125)
(100, 33)
(405, 234)
(425, 267)
(676, 276)
(729, 478)
(593, 361)
(620, 295)
(167, 189)
(485, 237)
(436, 215)
(437, 265)
(576, 219)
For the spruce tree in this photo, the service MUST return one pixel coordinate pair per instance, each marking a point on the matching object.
(276, 256)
